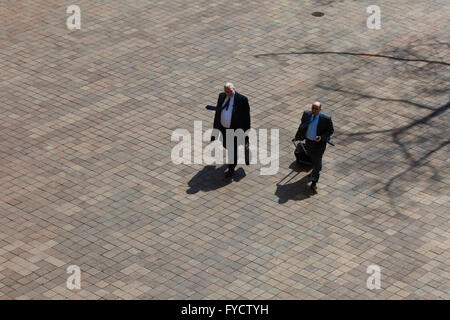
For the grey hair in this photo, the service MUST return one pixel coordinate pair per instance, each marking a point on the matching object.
(317, 103)
(229, 85)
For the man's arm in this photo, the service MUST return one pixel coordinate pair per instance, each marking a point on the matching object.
(216, 117)
(297, 134)
(327, 134)
(216, 114)
(245, 114)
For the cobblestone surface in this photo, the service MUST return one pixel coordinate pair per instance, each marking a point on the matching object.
(86, 178)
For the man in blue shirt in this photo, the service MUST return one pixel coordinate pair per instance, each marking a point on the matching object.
(316, 128)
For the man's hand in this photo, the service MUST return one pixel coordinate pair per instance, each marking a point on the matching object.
(318, 138)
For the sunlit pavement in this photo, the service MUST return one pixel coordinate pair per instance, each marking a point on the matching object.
(86, 177)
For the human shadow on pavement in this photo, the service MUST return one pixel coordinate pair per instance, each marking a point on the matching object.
(239, 174)
(212, 178)
(297, 190)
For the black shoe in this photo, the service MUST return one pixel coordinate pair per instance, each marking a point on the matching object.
(314, 186)
(229, 174)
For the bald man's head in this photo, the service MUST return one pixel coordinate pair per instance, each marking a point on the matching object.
(316, 108)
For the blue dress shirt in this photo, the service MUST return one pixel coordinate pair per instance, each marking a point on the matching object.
(311, 133)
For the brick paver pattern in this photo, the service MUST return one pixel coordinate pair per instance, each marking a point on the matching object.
(86, 177)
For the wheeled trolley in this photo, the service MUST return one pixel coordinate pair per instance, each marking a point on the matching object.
(301, 155)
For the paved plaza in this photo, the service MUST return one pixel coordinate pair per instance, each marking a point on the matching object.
(86, 177)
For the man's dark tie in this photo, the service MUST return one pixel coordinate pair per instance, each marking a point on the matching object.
(227, 104)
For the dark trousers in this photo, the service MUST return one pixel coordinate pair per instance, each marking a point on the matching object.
(233, 164)
(315, 151)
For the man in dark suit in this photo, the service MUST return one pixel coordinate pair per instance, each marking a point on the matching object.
(317, 129)
(232, 112)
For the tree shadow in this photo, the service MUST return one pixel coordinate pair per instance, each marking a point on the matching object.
(298, 190)
(397, 132)
(415, 141)
(360, 54)
(212, 178)
(404, 161)
(400, 134)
